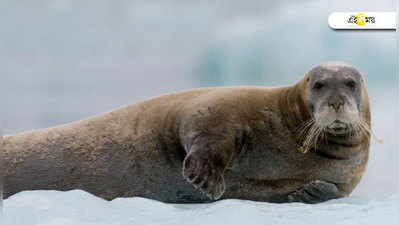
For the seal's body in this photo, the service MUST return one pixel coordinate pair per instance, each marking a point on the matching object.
(230, 142)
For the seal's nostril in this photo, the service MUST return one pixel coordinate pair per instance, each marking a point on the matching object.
(336, 105)
(336, 102)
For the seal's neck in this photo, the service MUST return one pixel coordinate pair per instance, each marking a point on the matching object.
(295, 111)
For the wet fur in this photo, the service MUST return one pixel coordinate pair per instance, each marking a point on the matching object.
(192, 146)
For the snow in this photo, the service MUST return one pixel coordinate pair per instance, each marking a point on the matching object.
(81, 208)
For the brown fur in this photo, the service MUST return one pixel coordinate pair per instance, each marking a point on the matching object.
(249, 134)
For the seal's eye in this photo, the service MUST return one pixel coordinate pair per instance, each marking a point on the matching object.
(318, 85)
(351, 84)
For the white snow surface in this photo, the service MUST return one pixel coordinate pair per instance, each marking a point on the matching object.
(81, 208)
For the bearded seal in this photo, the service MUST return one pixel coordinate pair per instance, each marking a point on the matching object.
(308, 142)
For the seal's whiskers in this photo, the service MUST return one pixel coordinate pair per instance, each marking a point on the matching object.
(310, 133)
(365, 128)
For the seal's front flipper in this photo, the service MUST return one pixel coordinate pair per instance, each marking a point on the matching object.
(315, 192)
(204, 175)
(209, 151)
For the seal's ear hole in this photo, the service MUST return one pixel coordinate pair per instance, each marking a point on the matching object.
(307, 79)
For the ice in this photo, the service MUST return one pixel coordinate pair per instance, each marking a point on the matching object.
(81, 208)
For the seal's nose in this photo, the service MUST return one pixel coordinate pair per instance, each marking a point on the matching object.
(336, 102)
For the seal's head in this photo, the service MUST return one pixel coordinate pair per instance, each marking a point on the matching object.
(335, 98)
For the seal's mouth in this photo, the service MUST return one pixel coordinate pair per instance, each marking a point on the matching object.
(338, 127)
